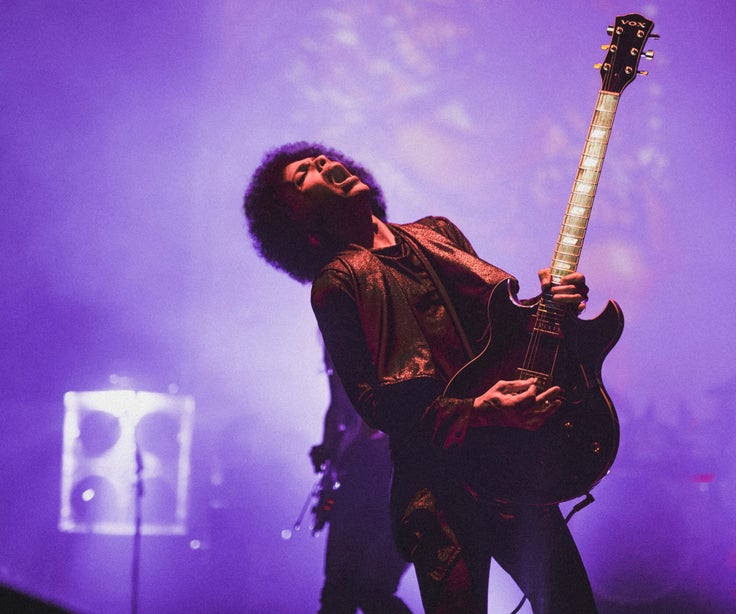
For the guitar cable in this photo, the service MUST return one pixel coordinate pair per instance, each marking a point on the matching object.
(575, 509)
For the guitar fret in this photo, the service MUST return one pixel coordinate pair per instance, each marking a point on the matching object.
(578, 210)
(583, 199)
(600, 126)
(590, 161)
(561, 269)
(569, 259)
(565, 265)
(574, 213)
(569, 256)
(594, 150)
(568, 248)
(585, 181)
(580, 204)
(573, 231)
(592, 173)
(562, 247)
(584, 188)
(598, 135)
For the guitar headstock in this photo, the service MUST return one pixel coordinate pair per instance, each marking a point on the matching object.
(628, 37)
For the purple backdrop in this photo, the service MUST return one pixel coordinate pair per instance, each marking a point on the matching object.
(128, 134)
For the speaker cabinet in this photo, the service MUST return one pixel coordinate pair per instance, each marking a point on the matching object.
(125, 462)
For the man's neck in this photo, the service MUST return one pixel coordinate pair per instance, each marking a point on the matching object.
(382, 235)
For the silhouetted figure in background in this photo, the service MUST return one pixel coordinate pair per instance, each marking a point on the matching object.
(363, 568)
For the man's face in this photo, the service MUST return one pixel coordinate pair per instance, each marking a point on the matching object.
(333, 201)
(321, 179)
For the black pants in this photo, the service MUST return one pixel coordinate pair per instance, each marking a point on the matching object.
(451, 540)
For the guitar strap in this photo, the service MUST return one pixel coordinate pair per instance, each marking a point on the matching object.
(442, 291)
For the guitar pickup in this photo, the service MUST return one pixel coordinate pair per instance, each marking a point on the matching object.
(547, 327)
(548, 318)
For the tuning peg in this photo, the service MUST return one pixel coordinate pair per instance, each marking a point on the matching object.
(597, 66)
(654, 35)
(605, 47)
(642, 72)
(649, 54)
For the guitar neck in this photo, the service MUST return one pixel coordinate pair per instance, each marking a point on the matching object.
(575, 223)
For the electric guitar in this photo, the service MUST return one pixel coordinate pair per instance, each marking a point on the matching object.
(574, 449)
(324, 492)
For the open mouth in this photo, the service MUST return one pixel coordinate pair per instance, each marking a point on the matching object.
(340, 177)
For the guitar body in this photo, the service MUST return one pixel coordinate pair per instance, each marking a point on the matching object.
(576, 446)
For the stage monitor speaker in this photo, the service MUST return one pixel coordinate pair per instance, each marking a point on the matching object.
(125, 462)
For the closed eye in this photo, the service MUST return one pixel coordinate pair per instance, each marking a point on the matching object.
(300, 174)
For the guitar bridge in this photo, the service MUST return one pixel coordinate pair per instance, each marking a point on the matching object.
(541, 378)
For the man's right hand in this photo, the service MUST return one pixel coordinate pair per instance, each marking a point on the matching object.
(516, 404)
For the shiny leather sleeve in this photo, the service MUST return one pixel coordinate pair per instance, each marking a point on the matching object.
(393, 408)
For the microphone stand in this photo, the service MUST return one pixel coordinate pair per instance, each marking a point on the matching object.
(135, 578)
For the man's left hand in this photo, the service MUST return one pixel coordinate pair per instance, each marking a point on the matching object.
(572, 289)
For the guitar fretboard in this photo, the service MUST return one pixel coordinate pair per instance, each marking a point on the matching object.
(575, 223)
